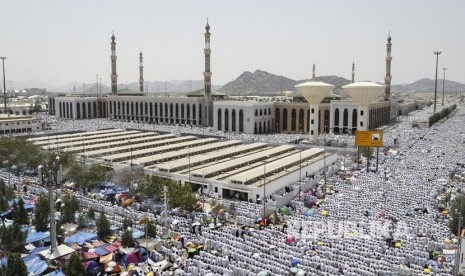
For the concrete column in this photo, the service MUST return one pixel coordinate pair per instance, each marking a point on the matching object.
(362, 118)
(313, 133)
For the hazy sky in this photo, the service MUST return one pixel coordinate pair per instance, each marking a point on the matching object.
(60, 42)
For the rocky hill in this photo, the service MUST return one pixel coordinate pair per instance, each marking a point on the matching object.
(264, 83)
(427, 85)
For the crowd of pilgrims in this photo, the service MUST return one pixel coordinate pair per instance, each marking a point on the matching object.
(356, 222)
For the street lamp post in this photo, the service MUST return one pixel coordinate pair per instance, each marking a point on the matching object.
(443, 82)
(264, 190)
(300, 175)
(437, 53)
(51, 171)
(130, 164)
(4, 86)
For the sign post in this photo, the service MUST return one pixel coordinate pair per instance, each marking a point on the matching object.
(370, 138)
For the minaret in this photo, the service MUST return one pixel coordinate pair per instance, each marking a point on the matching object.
(313, 74)
(141, 73)
(388, 77)
(208, 117)
(353, 72)
(113, 75)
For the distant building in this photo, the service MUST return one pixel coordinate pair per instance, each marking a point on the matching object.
(259, 115)
(36, 91)
(10, 124)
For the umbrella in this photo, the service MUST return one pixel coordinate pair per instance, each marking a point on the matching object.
(324, 213)
(132, 258)
(285, 210)
(294, 262)
(90, 267)
(309, 213)
(263, 273)
(300, 272)
(128, 202)
(290, 239)
(256, 255)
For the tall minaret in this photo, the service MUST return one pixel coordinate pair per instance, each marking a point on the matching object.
(207, 76)
(313, 74)
(113, 75)
(388, 77)
(141, 73)
(353, 72)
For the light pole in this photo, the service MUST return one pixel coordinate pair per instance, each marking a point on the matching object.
(300, 175)
(4, 86)
(443, 82)
(51, 172)
(264, 191)
(130, 164)
(437, 53)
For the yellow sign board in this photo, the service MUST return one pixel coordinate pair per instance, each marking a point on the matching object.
(369, 138)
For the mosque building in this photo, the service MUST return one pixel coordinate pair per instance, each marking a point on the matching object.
(336, 113)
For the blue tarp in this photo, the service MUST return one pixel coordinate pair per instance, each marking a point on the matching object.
(55, 273)
(37, 236)
(114, 228)
(29, 206)
(26, 229)
(101, 250)
(108, 192)
(80, 237)
(39, 249)
(34, 264)
(137, 234)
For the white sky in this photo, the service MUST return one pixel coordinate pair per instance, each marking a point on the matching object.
(59, 42)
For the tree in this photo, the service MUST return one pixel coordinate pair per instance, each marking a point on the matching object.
(15, 265)
(91, 213)
(126, 238)
(75, 266)
(70, 206)
(3, 203)
(21, 216)
(151, 230)
(41, 214)
(12, 239)
(82, 221)
(127, 223)
(457, 211)
(89, 176)
(103, 226)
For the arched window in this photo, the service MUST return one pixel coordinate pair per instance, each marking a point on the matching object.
(78, 110)
(261, 112)
(293, 120)
(95, 110)
(176, 112)
(285, 119)
(354, 118)
(326, 121)
(301, 120)
(84, 113)
(233, 120)
(278, 119)
(256, 112)
(226, 119)
(241, 121)
(219, 119)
